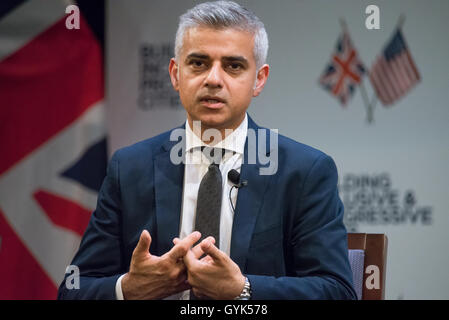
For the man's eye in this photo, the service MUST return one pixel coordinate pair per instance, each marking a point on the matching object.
(235, 66)
(197, 63)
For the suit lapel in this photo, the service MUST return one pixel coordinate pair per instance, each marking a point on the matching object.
(168, 179)
(249, 203)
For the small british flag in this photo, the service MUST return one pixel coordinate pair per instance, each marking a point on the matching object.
(344, 72)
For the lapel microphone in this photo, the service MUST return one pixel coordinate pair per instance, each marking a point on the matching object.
(234, 177)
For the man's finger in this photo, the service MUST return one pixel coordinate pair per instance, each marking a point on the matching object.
(143, 246)
(210, 249)
(197, 251)
(207, 259)
(181, 247)
(189, 259)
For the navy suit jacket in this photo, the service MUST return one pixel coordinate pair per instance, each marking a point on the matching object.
(288, 235)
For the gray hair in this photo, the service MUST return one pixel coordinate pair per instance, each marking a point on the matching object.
(220, 15)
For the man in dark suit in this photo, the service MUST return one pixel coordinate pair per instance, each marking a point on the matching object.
(284, 240)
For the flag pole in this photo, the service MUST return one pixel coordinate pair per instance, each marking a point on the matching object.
(343, 24)
(401, 21)
(365, 99)
(369, 106)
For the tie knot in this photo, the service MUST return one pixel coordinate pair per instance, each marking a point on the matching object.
(214, 155)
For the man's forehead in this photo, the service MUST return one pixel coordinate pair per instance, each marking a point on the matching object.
(228, 42)
(211, 29)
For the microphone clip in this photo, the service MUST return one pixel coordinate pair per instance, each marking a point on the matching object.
(241, 184)
(234, 177)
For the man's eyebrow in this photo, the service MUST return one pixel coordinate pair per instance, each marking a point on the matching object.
(235, 59)
(197, 56)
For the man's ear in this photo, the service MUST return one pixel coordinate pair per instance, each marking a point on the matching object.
(262, 76)
(173, 71)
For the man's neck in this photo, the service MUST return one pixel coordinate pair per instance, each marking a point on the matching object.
(212, 135)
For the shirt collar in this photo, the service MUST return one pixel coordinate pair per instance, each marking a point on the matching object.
(233, 142)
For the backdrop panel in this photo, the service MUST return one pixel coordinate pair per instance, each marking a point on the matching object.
(393, 170)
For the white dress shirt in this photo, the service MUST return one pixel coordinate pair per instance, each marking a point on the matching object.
(195, 168)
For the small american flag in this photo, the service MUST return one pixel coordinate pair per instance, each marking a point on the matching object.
(344, 72)
(394, 73)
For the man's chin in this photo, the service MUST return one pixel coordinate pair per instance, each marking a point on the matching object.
(217, 121)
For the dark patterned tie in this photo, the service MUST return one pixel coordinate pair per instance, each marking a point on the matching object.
(208, 208)
(208, 205)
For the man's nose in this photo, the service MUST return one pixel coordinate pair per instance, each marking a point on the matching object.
(214, 78)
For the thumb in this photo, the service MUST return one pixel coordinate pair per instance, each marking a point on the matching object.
(143, 246)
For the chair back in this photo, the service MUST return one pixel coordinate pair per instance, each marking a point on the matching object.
(368, 258)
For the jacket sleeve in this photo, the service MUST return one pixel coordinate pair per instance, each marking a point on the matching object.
(99, 256)
(317, 245)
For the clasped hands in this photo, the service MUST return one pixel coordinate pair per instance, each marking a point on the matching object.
(209, 272)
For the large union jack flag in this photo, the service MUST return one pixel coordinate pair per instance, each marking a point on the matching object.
(344, 72)
(52, 144)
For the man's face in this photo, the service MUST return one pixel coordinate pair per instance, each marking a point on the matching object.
(216, 76)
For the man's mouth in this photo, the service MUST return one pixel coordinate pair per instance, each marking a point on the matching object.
(212, 102)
